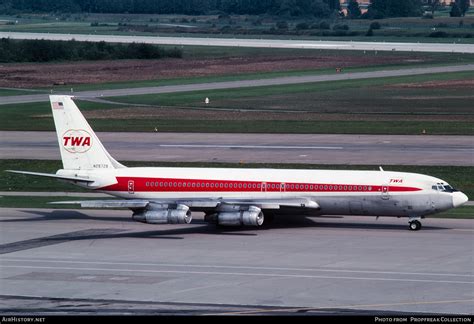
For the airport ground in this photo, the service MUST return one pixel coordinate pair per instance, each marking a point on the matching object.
(440, 29)
(383, 105)
(89, 261)
(101, 262)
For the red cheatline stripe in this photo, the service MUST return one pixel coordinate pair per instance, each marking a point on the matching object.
(139, 184)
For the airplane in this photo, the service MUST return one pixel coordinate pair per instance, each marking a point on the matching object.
(233, 196)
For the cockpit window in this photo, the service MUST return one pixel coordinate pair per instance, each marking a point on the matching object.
(448, 188)
(443, 188)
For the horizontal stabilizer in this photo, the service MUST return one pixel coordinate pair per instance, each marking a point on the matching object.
(110, 203)
(49, 175)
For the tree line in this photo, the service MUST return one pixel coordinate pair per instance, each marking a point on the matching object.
(188, 7)
(291, 8)
(45, 51)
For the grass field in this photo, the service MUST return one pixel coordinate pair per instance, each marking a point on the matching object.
(311, 62)
(436, 61)
(14, 92)
(435, 103)
(458, 176)
(348, 92)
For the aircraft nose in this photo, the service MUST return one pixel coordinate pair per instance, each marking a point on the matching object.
(459, 198)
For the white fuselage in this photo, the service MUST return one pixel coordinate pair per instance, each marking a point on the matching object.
(377, 193)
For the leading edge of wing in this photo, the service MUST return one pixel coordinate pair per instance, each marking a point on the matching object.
(49, 175)
(110, 203)
(201, 203)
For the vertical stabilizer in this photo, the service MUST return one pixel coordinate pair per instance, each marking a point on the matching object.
(80, 148)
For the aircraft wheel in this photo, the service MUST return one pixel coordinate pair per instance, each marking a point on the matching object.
(415, 225)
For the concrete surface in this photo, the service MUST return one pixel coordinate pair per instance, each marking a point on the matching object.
(267, 43)
(101, 262)
(257, 148)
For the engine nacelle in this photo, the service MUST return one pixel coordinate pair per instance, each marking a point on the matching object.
(180, 215)
(251, 217)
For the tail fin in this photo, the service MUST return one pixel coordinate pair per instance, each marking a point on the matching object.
(80, 148)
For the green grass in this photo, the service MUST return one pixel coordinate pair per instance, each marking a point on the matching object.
(256, 126)
(37, 116)
(16, 92)
(209, 52)
(371, 83)
(459, 176)
(466, 212)
(249, 76)
(366, 106)
(287, 127)
(395, 29)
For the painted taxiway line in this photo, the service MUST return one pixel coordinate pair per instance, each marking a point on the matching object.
(275, 147)
(236, 267)
(309, 309)
(219, 273)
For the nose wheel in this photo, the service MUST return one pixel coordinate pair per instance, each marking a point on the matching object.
(414, 225)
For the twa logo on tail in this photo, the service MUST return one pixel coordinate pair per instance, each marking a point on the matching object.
(77, 141)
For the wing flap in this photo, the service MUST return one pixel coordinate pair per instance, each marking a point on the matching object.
(115, 203)
(198, 203)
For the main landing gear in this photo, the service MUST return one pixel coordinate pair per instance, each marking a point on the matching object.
(414, 224)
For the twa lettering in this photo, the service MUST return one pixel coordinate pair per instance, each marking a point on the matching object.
(77, 141)
(396, 180)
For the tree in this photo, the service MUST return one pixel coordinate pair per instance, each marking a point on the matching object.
(320, 9)
(433, 5)
(463, 6)
(353, 9)
(455, 10)
(393, 8)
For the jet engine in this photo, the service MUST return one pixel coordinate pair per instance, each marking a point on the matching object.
(253, 216)
(179, 215)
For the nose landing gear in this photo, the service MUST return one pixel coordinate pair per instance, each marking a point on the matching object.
(414, 224)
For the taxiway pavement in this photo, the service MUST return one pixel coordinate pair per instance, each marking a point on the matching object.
(101, 262)
(452, 47)
(257, 148)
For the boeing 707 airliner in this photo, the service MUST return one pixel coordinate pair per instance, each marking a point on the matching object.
(236, 197)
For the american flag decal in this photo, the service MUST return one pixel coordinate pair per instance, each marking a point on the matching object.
(58, 105)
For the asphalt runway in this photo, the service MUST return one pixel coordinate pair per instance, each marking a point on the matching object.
(4, 100)
(259, 43)
(257, 148)
(101, 262)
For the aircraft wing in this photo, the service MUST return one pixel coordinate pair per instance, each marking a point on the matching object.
(197, 203)
(109, 203)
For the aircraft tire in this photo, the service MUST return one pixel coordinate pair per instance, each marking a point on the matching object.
(415, 225)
